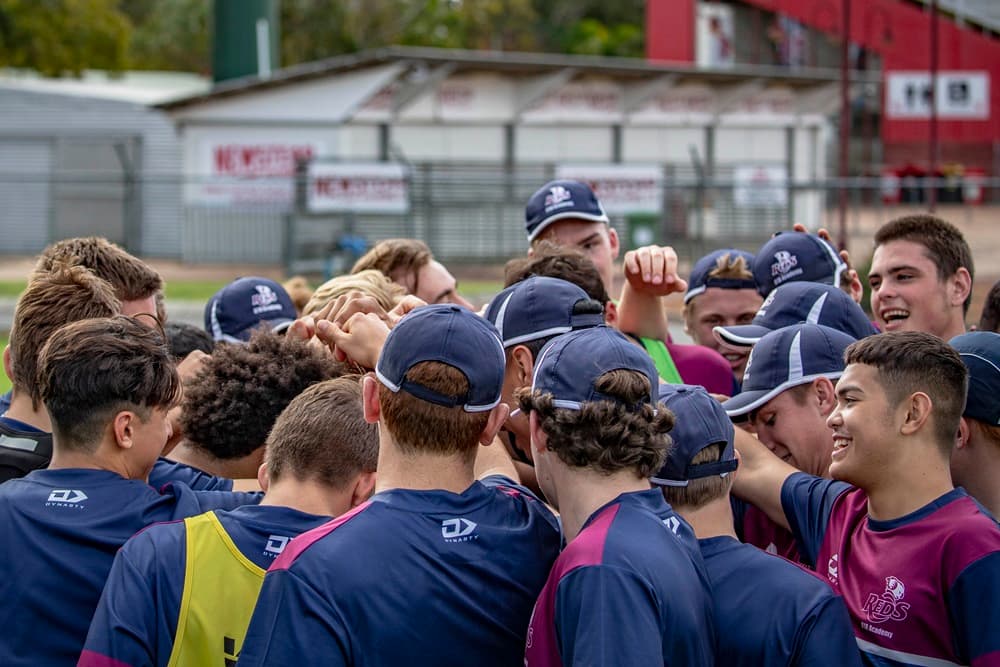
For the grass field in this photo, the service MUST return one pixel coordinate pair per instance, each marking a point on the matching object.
(177, 290)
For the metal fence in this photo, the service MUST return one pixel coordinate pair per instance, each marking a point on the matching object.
(467, 213)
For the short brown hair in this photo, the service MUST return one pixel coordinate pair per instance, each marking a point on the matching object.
(912, 361)
(62, 295)
(606, 436)
(130, 277)
(370, 282)
(90, 370)
(944, 244)
(232, 403)
(322, 435)
(299, 291)
(990, 320)
(400, 259)
(418, 426)
(553, 261)
(699, 492)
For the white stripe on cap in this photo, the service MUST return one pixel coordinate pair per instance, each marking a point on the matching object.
(216, 327)
(535, 335)
(838, 263)
(694, 291)
(502, 313)
(795, 369)
(817, 308)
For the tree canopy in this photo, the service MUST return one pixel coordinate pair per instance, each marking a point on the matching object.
(68, 36)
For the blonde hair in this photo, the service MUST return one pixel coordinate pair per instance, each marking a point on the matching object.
(370, 282)
(729, 267)
(299, 291)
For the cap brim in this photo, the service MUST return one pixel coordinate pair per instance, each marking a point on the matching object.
(742, 335)
(565, 215)
(749, 400)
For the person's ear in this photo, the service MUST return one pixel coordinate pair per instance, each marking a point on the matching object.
(611, 314)
(498, 416)
(613, 242)
(539, 440)
(364, 488)
(962, 440)
(918, 411)
(7, 367)
(369, 399)
(524, 363)
(826, 395)
(961, 285)
(263, 477)
(123, 426)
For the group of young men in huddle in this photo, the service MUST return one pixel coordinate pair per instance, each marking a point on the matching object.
(400, 480)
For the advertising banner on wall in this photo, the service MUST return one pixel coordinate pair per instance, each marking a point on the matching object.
(623, 190)
(341, 187)
(246, 173)
(760, 186)
(959, 95)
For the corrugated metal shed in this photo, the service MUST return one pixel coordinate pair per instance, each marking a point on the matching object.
(64, 166)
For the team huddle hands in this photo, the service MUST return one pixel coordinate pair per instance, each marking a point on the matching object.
(373, 473)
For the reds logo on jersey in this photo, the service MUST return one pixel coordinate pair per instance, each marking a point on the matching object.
(888, 605)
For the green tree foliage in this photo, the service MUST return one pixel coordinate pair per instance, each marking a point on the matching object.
(63, 36)
(68, 36)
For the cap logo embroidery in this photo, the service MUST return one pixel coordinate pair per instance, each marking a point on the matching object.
(558, 197)
(266, 299)
(785, 267)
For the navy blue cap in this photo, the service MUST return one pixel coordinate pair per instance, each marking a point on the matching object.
(569, 365)
(451, 335)
(980, 350)
(699, 421)
(559, 200)
(787, 358)
(541, 307)
(700, 280)
(239, 308)
(792, 303)
(796, 257)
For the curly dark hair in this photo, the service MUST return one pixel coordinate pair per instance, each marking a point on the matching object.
(606, 436)
(231, 405)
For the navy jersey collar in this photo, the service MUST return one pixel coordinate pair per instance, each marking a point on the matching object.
(435, 500)
(650, 500)
(916, 515)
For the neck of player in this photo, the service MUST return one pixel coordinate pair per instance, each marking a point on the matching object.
(907, 488)
(423, 472)
(582, 492)
(21, 410)
(713, 519)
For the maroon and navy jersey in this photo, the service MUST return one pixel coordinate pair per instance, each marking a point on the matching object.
(409, 578)
(921, 589)
(772, 612)
(629, 590)
(755, 527)
(59, 532)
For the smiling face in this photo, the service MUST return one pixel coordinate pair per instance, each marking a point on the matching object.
(718, 307)
(793, 426)
(863, 424)
(908, 295)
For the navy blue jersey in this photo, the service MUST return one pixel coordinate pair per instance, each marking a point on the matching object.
(59, 532)
(629, 590)
(772, 612)
(23, 448)
(166, 471)
(5, 401)
(409, 578)
(921, 589)
(136, 621)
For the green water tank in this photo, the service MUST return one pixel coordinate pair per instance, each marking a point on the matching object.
(245, 38)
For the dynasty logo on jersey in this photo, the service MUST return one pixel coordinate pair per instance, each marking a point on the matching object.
(65, 498)
(888, 605)
(276, 544)
(458, 530)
